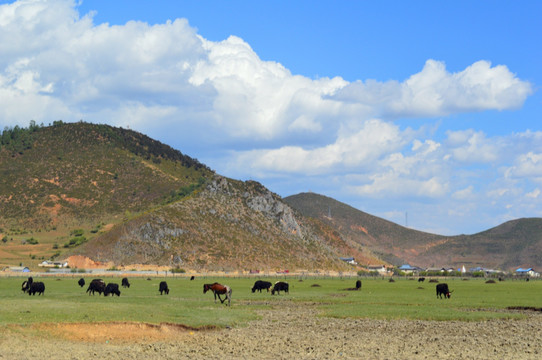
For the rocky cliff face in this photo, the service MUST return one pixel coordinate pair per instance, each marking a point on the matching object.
(228, 225)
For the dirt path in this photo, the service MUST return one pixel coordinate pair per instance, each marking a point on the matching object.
(293, 331)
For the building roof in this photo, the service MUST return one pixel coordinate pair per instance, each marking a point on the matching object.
(19, 268)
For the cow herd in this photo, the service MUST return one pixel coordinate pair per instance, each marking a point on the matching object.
(96, 286)
(99, 286)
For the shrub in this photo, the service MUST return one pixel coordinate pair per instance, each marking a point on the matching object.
(77, 232)
(177, 271)
(32, 241)
(76, 241)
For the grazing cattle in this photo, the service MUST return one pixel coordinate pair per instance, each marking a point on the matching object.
(219, 289)
(112, 289)
(442, 289)
(163, 288)
(125, 282)
(192, 277)
(36, 287)
(422, 279)
(358, 285)
(26, 284)
(261, 285)
(96, 285)
(357, 288)
(81, 282)
(280, 286)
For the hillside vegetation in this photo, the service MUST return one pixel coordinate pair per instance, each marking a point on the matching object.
(57, 179)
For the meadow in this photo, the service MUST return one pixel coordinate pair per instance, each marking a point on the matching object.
(65, 301)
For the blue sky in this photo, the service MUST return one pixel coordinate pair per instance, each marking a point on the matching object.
(425, 108)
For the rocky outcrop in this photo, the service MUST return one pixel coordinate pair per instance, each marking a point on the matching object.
(258, 198)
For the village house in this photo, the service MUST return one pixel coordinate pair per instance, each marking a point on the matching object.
(349, 260)
(54, 264)
(407, 269)
(380, 268)
(527, 272)
(18, 269)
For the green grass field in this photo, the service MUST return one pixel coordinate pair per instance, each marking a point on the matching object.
(65, 301)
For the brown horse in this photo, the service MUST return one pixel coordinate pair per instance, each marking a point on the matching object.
(218, 290)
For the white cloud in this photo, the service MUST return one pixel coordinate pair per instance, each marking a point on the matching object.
(168, 81)
(436, 92)
(351, 150)
(526, 165)
(533, 194)
(472, 146)
(464, 194)
(391, 185)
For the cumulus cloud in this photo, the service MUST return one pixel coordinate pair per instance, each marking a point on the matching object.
(472, 146)
(66, 64)
(527, 165)
(436, 92)
(351, 150)
(256, 118)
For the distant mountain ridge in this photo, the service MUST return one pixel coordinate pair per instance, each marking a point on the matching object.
(510, 245)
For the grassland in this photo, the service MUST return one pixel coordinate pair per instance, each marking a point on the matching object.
(65, 301)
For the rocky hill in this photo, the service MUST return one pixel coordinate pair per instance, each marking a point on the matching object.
(118, 196)
(229, 225)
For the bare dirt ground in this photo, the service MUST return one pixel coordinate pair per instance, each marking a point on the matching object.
(291, 331)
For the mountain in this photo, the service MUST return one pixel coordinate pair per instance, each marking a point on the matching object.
(116, 195)
(75, 173)
(510, 245)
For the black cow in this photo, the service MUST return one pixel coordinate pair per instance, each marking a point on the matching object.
(125, 283)
(280, 286)
(163, 288)
(96, 285)
(261, 285)
(192, 277)
(26, 284)
(36, 287)
(358, 284)
(81, 282)
(112, 289)
(422, 279)
(442, 289)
